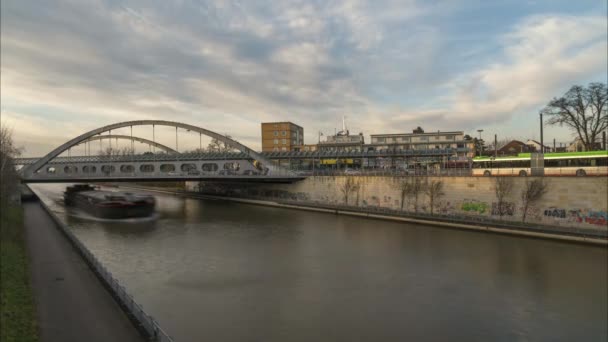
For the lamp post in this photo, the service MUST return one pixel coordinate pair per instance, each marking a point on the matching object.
(480, 144)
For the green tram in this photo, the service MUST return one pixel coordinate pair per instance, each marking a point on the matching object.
(592, 163)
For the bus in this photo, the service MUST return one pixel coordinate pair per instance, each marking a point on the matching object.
(592, 163)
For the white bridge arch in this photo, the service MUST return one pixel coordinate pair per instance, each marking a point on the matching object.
(31, 169)
(134, 138)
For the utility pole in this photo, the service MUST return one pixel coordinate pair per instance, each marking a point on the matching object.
(495, 146)
(542, 144)
(480, 144)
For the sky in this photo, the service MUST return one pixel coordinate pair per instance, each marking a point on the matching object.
(68, 67)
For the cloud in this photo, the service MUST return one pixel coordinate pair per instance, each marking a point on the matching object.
(541, 57)
(388, 65)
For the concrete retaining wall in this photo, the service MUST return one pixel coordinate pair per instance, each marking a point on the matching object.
(580, 202)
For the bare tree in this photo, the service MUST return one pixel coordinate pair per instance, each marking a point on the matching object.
(219, 146)
(532, 192)
(411, 187)
(502, 187)
(582, 109)
(112, 152)
(435, 191)
(8, 175)
(349, 186)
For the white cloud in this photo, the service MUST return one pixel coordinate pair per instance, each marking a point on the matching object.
(229, 65)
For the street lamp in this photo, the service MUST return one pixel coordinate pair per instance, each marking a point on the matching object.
(480, 144)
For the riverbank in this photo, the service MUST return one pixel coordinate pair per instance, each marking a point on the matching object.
(575, 236)
(17, 303)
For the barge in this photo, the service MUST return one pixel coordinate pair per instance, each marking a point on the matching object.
(109, 204)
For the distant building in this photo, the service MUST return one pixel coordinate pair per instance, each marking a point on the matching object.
(342, 141)
(535, 145)
(306, 148)
(281, 136)
(513, 148)
(578, 146)
(419, 140)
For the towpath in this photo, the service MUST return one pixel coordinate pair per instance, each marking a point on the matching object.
(72, 304)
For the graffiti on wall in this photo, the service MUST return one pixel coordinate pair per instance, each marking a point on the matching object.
(504, 209)
(446, 208)
(555, 213)
(474, 206)
(595, 217)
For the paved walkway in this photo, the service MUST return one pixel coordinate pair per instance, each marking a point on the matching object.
(72, 303)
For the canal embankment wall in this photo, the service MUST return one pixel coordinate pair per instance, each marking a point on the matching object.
(566, 202)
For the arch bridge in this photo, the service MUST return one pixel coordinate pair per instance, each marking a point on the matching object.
(247, 165)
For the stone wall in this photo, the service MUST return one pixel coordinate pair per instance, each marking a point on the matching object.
(568, 201)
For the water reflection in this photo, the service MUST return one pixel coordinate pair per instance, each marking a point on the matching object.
(231, 272)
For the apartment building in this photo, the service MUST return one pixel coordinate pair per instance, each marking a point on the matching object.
(281, 136)
(419, 140)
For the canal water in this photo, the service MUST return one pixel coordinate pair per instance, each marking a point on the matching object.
(221, 271)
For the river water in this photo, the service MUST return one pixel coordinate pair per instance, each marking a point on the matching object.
(222, 271)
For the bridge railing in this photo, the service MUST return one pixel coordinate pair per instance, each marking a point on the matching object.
(134, 310)
(186, 175)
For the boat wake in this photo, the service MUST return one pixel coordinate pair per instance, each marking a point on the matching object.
(79, 214)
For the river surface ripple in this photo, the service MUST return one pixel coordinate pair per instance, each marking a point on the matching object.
(222, 271)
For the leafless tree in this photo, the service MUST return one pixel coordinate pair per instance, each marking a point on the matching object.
(434, 191)
(532, 192)
(503, 187)
(582, 109)
(112, 152)
(218, 146)
(8, 175)
(349, 186)
(411, 187)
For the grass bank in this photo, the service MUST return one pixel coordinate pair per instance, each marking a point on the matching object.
(17, 311)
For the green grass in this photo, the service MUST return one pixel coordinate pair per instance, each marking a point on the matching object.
(17, 311)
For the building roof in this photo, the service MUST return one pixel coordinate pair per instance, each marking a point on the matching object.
(425, 133)
(280, 122)
(536, 142)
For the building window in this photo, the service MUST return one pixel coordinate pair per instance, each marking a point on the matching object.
(283, 133)
(449, 137)
(424, 138)
(275, 149)
(276, 141)
(379, 140)
(284, 141)
(437, 137)
(283, 148)
(276, 133)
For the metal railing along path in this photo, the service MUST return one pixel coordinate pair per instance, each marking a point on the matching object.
(135, 311)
